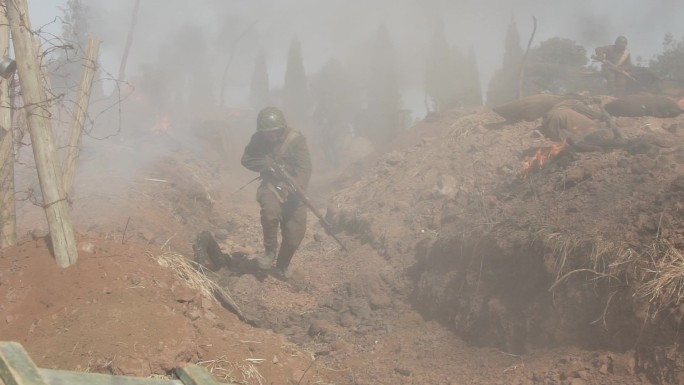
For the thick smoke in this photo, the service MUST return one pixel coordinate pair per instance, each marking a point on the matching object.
(333, 28)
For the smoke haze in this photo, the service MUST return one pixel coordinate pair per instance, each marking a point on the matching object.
(333, 28)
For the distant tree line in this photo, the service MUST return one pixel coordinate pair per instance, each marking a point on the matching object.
(560, 65)
(339, 100)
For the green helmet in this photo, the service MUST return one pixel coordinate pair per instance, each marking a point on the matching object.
(621, 41)
(270, 119)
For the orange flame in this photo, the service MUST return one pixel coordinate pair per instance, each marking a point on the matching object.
(162, 124)
(542, 156)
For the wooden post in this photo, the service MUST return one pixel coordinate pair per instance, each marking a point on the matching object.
(8, 212)
(82, 103)
(16, 367)
(42, 138)
(192, 374)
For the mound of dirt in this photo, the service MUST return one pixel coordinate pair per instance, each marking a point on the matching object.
(580, 251)
(462, 267)
(124, 309)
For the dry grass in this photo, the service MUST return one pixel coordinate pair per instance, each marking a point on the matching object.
(463, 126)
(662, 276)
(189, 272)
(656, 274)
(233, 373)
(192, 275)
(595, 257)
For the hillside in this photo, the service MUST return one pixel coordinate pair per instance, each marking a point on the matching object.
(462, 269)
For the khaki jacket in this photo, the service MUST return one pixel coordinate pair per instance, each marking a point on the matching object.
(291, 151)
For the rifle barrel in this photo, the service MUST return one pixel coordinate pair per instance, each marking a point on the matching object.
(300, 193)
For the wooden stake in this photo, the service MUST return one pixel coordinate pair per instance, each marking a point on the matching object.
(42, 139)
(8, 212)
(82, 104)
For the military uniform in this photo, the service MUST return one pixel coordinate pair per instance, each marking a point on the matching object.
(578, 121)
(619, 55)
(571, 118)
(279, 208)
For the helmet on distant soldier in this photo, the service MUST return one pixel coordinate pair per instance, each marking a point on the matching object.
(270, 119)
(621, 41)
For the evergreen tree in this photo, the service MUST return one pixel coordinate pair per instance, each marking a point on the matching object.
(66, 67)
(669, 65)
(296, 102)
(76, 27)
(553, 66)
(335, 93)
(441, 72)
(260, 93)
(513, 50)
(503, 86)
(337, 103)
(187, 89)
(472, 88)
(383, 97)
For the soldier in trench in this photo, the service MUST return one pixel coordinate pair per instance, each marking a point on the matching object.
(583, 123)
(276, 143)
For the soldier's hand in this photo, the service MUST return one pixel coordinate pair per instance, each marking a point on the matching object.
(268, 164)
(283, 189)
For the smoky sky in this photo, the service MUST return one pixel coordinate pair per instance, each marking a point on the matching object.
(337, 28)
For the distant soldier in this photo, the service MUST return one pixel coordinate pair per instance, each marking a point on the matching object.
(276, 143)
(616, 61)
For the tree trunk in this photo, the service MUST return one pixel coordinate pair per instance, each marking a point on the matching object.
(82, 104)
(129, 42)
(42, 139)
(8, 218)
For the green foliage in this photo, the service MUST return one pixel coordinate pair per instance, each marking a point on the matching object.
(76, 26)
(380, 122)
(65, 66)
(513, 52)
(190, 88)
(441, 75)
(296, 99)
(556, 65)
(451, 78)
(383, 85)
(560, 51)
(669, 65)
(260, 93)
(336, 94)
(337, 104)
(471, 88)
(503, 86)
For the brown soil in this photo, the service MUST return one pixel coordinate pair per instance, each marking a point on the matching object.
(461, 269)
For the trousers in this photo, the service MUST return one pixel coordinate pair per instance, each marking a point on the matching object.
(288, 216)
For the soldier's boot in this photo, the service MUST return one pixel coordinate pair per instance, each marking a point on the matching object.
(267, 261)
(281, 273)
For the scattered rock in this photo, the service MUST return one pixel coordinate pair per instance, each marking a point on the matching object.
(87, 247)
(379, 301)
(130, 366)
(403, 371)
(320, 328)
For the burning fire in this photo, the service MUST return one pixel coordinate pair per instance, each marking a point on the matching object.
(162, 124)
(542, 156)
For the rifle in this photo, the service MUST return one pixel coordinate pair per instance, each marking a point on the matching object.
(612, 66)
(247, 184)
(283, 176)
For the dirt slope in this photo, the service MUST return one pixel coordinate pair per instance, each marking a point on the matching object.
(461, 270)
